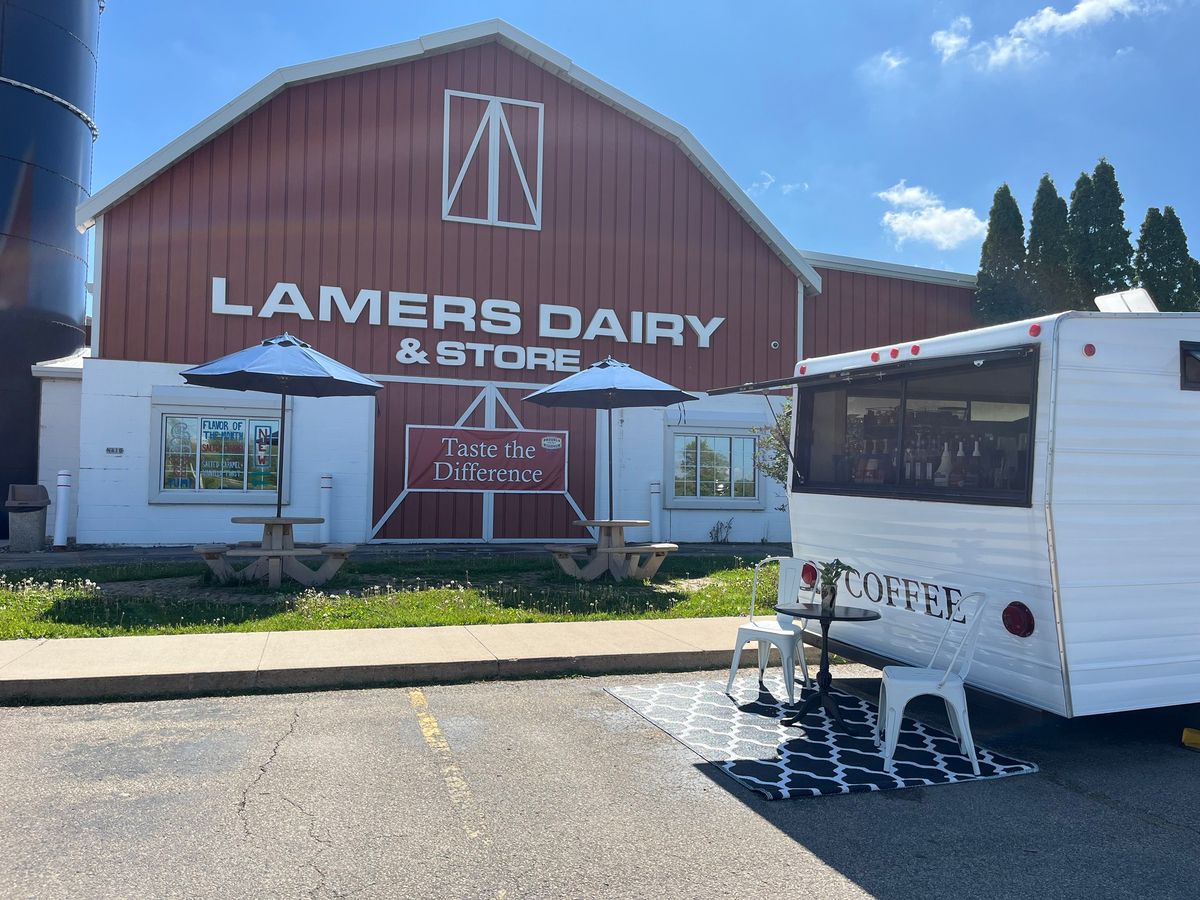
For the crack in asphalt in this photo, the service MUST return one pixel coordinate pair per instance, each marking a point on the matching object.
(1104, 799)
(262, 771)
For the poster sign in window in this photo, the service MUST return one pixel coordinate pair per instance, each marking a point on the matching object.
(222, 454)
(219, 453)
(477, 460)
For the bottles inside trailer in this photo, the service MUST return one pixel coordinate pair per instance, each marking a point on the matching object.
(955, 433)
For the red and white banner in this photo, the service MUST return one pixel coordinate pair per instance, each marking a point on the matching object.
(474, 460)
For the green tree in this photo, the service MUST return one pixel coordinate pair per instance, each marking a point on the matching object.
(1100, 248)
(771, 452)
(1162, 263)
(1001, 290)
(1047, 264)
(1079, 241)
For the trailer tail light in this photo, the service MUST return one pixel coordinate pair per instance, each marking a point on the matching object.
(1035, 329)
(809, 574)
(1089, 349)
(1018, 619)
(803, 369)
(914, 349)
(874, 356)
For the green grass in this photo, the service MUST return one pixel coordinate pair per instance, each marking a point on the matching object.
(434, 591)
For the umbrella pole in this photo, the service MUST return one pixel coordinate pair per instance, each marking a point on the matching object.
(279, 462)
(612, 513)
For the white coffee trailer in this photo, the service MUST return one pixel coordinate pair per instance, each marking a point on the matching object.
(1053, 464)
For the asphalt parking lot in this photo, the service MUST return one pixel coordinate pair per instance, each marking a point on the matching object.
(555, 789)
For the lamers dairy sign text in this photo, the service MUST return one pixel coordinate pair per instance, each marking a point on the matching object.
(503, 318)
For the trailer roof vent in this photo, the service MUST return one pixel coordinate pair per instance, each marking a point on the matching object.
(1137, 300)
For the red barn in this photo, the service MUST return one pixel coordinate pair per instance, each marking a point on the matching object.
(465, 217)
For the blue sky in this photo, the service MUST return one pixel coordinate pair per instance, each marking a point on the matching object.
(875, 129)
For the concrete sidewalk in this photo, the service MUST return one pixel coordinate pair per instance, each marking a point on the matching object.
(127, 668)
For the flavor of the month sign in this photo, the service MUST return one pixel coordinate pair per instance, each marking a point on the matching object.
(475, 460)
(222, 453)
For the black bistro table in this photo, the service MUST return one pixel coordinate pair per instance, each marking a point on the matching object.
(822, 695)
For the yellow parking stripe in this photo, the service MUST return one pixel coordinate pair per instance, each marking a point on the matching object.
(456, 783)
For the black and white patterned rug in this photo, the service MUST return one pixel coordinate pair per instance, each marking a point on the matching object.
(744, 736)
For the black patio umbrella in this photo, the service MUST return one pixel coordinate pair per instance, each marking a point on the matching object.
(610, 385)
(283, 365)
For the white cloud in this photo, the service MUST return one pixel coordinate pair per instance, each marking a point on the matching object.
(953, 40)
(920, 215)
(786, 189)
(762, 185)
(1025, 41)
(883, 66)
(909, 196)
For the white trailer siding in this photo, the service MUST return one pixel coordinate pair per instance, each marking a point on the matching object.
(947, 545)
(1125, 502)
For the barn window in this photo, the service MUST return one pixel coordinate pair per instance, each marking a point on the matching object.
(213, 452)
(492, 160)
(711, 468)
(218, 452)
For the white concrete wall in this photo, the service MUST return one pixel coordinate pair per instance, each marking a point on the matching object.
(640, 458)
(334, 435)
(58, 444)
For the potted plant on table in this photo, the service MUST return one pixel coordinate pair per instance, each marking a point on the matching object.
(830, 574)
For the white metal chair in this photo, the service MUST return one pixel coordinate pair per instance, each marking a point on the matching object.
(784, 632)
(902, 683)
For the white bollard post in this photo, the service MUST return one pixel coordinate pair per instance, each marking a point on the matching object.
(655, 511)
(326, 507)
(62, 508)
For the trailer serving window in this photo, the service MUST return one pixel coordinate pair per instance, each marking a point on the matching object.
(1189, 366)
(957, 430)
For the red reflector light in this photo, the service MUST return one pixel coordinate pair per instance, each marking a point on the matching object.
(1035, 329)
(894, 352)
(803, 369)
(809, 574)
(914, 349)
(874, 356)
(1089, 349)
(1018, 619)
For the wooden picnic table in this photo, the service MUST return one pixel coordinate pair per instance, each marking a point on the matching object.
(611, 554)
(277, 554)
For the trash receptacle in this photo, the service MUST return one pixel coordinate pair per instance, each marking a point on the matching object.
(26, 517)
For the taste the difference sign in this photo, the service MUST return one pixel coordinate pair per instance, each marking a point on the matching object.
(475, 460)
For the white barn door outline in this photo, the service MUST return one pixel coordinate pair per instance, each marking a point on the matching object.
(494, 123)
(491, 399)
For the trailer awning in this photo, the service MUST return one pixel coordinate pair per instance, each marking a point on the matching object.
(882, 370)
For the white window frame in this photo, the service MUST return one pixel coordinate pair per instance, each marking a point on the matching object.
(176, 401)
(670, 501)
(496, 124)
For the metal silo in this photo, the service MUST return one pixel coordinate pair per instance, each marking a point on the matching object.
(47, 99)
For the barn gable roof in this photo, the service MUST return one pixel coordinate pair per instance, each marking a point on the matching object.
(431, 45)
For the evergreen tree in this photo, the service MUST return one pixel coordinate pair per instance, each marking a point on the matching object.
(1101, 264)
(1046, 261)
(1080, 225)
(1001, 293)
(1163, 265)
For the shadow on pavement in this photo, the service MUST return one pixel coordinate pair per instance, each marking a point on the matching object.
(1114, 811)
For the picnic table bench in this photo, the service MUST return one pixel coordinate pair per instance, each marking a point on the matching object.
(611, 554)
(277, 554)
